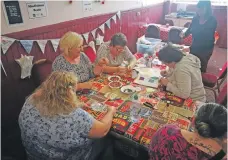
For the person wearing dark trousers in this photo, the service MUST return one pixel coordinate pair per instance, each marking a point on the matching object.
(202, 28)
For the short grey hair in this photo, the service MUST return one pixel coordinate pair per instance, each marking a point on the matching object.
(118, 39)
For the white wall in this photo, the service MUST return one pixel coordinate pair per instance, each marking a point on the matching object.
(60, 11)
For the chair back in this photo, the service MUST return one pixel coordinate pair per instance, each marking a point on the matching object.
(152, 31)
(222, 97)
(223, 72)
(40, 71)
(174, 35)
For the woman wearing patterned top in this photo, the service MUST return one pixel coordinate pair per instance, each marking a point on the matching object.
(170, 142)
(74, 60)
(54, 127)
(116, 52)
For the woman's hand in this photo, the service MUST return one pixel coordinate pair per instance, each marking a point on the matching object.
(98, 70)
(85, 85)
(164, 81)
(112, 109)
(103, 62)
(122, 69)
(163, 73)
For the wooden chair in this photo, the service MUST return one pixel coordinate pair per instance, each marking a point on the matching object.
(213, 82)
(152, 31)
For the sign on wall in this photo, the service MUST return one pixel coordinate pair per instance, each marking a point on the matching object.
(87, 5)
(37, 9)
(12, 12)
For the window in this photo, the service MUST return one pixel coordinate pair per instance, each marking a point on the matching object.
(213, 2)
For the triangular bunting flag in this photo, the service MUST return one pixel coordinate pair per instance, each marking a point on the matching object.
(114, 18)
(6, 42)
(86, 36)
(102, 28)
(118, 14)
(42, 44)
(55, 43)
(27, 44)
(93, 32)
(108, 23)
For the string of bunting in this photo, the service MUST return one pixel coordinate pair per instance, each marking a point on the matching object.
(6, 42)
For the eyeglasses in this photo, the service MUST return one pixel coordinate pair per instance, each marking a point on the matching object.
(118, 49)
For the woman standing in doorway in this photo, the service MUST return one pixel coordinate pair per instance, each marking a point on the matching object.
(202, 29)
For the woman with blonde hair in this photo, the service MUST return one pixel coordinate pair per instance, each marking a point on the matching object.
(53, 126)
(73, 59)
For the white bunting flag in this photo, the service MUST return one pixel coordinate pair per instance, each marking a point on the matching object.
(108, 23)
(6, 42)
(55, 43)
(102, 28)
(86, 36)
(42, 44)
(114, 18)
(27, 44)
(119, 14)
(93, 32)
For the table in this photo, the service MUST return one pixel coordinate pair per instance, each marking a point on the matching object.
(164, 33)
(180, 19)
(168, 109)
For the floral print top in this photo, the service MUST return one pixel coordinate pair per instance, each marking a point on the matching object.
(63, 137)
(83, 70)
(169, 144)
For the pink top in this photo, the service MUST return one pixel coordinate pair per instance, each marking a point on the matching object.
(169, 144)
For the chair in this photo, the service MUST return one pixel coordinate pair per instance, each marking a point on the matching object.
(174, 35)
(169, 21)
(222, 96)
(41, 70)
(91, 54)
(213, 82)
(152, 31)
(186, 25)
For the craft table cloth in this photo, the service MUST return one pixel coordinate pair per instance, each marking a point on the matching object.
(167, 109)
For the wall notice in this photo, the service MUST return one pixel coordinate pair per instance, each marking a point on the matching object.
(12, 12)
(87, 5)
(37, 9)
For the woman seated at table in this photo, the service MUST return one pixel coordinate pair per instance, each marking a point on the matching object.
(171, 142)
(115, 52)
(72, 59)
(185, 79)
(53, 126)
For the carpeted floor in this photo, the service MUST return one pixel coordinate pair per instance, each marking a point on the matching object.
(218, 58)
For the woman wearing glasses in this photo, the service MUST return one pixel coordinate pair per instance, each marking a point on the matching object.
(114, 53)
(72, 59)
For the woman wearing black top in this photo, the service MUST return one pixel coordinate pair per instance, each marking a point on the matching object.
(202, 29)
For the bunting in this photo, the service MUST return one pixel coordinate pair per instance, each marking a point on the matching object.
(55, 43)
(86, 36)
(108, 23)
(93, 32)
(27, 44)
(119, 14)
(102, 28)
(114, 18)
(6, 42)
(42, 44)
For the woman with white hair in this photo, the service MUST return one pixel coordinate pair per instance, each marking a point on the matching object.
(73, 59)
